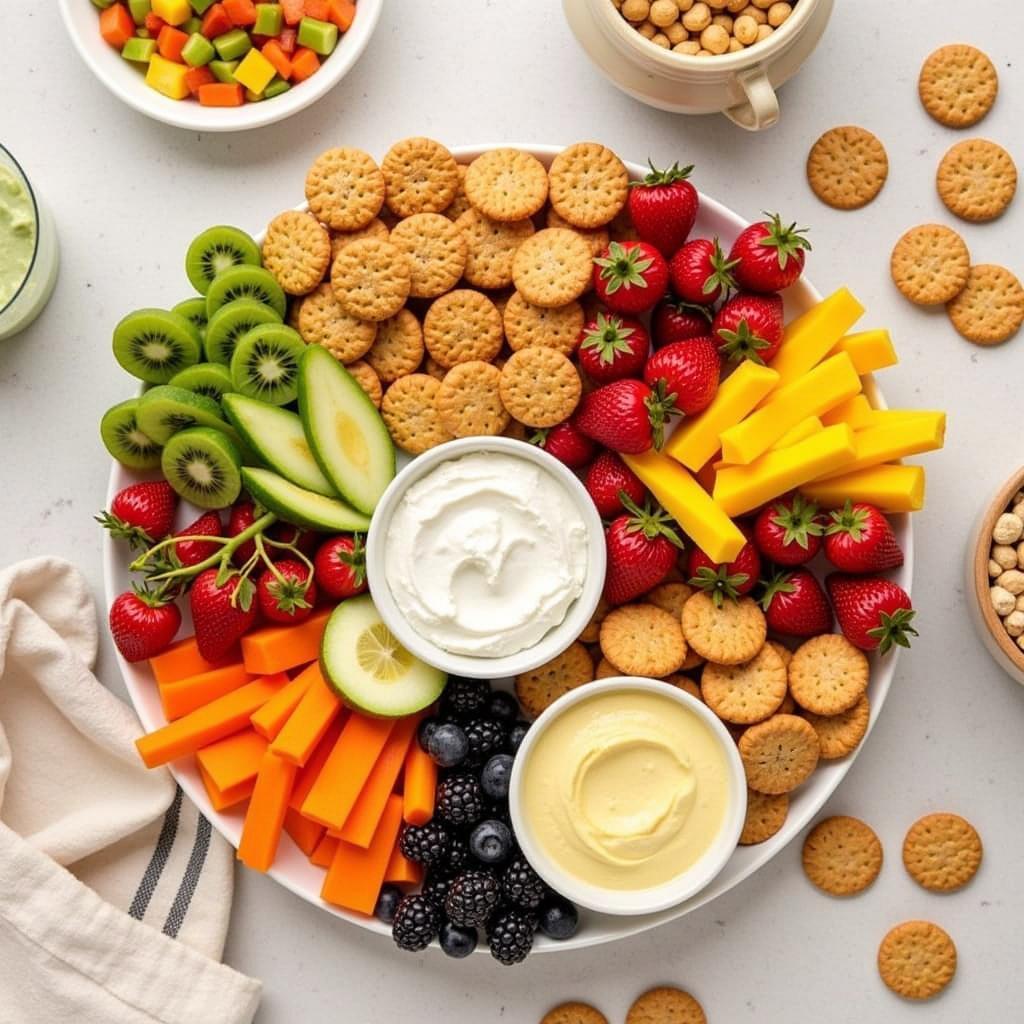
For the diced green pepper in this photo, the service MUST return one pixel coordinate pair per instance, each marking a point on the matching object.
(233, 44)
(201, 6)
(319, 36)
(139, 50)
(269, 20)
(198, 51)
(276, 87)
(223, 70)
(192, 26)
(139, 9)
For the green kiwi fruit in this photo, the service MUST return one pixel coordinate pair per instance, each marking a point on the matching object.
(230, 323)
(119, 430)
(203, 465)
(166, 409)
(155, 344)
(211, 380)
(194, 311)
(216, 250)
(266, 364)
(246, 283)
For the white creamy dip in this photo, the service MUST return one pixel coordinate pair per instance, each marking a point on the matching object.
(486, 554)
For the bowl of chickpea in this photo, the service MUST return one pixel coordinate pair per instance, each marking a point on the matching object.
(701, 56)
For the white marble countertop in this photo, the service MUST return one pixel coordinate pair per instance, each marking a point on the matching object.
(129, 194)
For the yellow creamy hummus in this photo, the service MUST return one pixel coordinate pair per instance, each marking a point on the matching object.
(626, 790)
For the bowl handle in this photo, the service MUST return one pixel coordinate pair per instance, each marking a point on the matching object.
(762, 107)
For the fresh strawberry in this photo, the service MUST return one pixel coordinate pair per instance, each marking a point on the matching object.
(612, 347)
(874, 613)
(286, 593)
(769, 256)
(642, 549)
(687, 369)
(241, 517)
(749, 326)
(340, 566)
(724, 579)
(788, 531)
(859, 539)
(192, 552)
(630, 277)
(141, 513)
(223, 611)
(678, 321)
(795, 604)
(663, 207)
(284, 533)
(700, 272)
(626, 416)
(565, 443)
(607, 480)
(143, 622)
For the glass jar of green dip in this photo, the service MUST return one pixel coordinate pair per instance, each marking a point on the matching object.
(28, 249)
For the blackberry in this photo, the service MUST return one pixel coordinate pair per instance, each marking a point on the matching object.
(510, 936)
(460, 799)
(486, 736)
(472, 898)
(464, 697)
(503, 707)
(459, 857)
(387, 902)
(416, 923)
(435, 888)
(428, 844)
(521, 885)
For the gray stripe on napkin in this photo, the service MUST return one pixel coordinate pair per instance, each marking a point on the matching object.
(158, 861)
(194, 868)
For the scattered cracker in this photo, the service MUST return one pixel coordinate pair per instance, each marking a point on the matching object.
(469, 401)
(490, 247)
(556, 327)
(462, 326)
(574, 1013)
(990, 309)
(345, 189)
(958, 85)
(596, 238)
(398, 349)
(409, 409)
(779, 754)
(370, 279)
(782, 651)
(671, 597)
(297, 251)
(666, 1006)
(506, 184)
(588, 185)
(828, 674)
(542, 686)
(606, 670)
(728, 635)
(460, 204)
(642, 640)
(839, 735)
(766, 814)
(421, 177)
(746, 693)
(435, 250)
(976, 180)
(592, 631)
(321, 321)
(366, 377)
(842, 856)
(686, 684)
(930, 264)
(540, 387)
(942, 852)
(847, 167)
(917, 959)
(435, 369)
(552, 267)
(375, 229)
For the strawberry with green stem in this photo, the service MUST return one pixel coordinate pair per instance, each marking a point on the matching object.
(788, 531)
(874, 613)
(340, 566)
(143, 622)
(859, 539)
(630, 277)
(627, 415)
(768, 256)
(141, 514)
(749, 326)
(642, 547)
(724, 579)
(701, 273)
(795, 604)
(612, 347)
(223, 610)
(285, 591)
(663, 207)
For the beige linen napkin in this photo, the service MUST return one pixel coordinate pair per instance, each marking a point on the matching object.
(115, 893)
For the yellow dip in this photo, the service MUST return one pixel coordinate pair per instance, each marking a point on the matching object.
(626, 789)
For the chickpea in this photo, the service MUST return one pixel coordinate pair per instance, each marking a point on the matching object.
(1018, 498)
(647, 30)
(750, 11)
(994, 568)
(664, 13)
(1020, 555)
(1014, 623)
(763, 32)
(1020, 642)
(690, 47)
(1020, 603)
(715, 39)
(1005, 555)
(745, 29)
(1018, 509)
(778, 13)
(735, 6)
(636, 10)
(684, 5)
(660, 39)
(676, 33)
(716, 5)
(704, 53)
(697, 18)
(763, 4)
(1009, 529)
(1002, 601)
(735, 46)
(1013, 581)
(723, 20)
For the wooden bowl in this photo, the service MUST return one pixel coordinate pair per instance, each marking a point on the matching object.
(998, 642)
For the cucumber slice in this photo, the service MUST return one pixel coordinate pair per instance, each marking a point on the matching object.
(369, 669)
(277, 437)
(166, 409)
(345, 432)
(299, 506)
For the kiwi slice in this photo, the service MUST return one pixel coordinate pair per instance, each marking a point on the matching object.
(155, 344)
(246, 283)
(122, 437)
(203, 465)
(166, 409)
(266, 364)
(230, 323)
(216, 250)
(211, 380)
(194, 311)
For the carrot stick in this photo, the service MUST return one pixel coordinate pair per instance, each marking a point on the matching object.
(324, 852)
(309, 772)
(223, 799)
(180, 661)
(305, 834)
(234, 759)
(419, 786)
(270, 718)
(401, 870)
(186, 695)
(208, 724)
(278, 648)
(265, 818)
(319, 706)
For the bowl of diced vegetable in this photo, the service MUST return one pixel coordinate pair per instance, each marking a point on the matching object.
(220, 65)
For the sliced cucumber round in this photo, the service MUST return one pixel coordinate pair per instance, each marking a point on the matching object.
(300, 507)
(369, 669)
(166, 409)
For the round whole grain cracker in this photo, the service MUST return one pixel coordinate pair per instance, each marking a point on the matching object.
(588, 185)
(370, 279)
(574, 1013)
(976, 179)
(596, 238)
(462, 326)
(841, 855)
(671, 597)
(958, 85)
(727, 635)
(839, 735)
(490, 247)
(592, 631)
(642, 640)
(321, 321)
(345, 189)
(555, 327)
(942, 852)
(409, 410)
(552, 267)
(398, 349)
(930, 264)
(782, 651)
(435, 251)
(420, 176)
(469, 400)
(686, 684)
(506, 184)
(542, 686)
(606, 670)
(766, 814)
(366, 377)
(990, 309)
(297, 251)
(435, 369)
(745, 693)
(847, 167)
(460, 204)
(375, 229)
(917, 959)
(779, 754)
(828, 674)
(540, 387)
(665, 1005)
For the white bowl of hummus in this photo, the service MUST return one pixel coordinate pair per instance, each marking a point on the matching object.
(628, 796)
(486, 557)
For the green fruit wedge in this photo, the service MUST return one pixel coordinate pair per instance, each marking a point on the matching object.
(300, 507)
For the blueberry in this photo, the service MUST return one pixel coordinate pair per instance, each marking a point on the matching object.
(558, 918)
(491, 842)
(448, 745)
(516, 736)
(495, 777)
(387, 903)
(427, 729)
(457, 942)
(503, 706)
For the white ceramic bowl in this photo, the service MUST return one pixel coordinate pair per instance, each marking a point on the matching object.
(555, 640)
(634, 901)
(126, 81)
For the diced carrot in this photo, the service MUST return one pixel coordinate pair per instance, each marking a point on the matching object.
(342, 13)
(363, 819)
(270, 718)
(311, 769)
(221, 94)
(294, 11)
(153, 23)
(233, 760)
(282, 65)
(318, 9)
(419, 786)
(215, 22)
(319, 707)
(225, 799)
(264, 819)
(345, 772)
(287, 39)
(279, 648)
(305, 834)
(324, 852)
(195, 78)
(356, 874)
(206, 725)
(241, 12)
(305, 64)
(116, 26)
(401, 870)
(188, 694)
(181, 660)
(170, 43)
